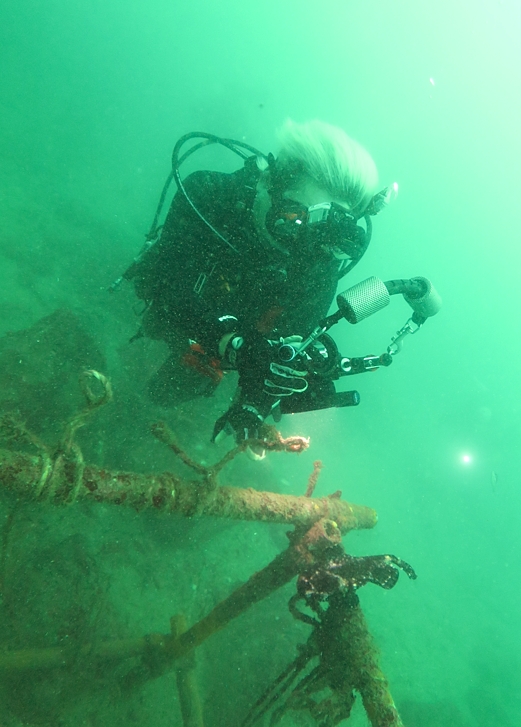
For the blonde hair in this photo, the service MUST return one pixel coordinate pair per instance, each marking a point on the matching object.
(329, 157)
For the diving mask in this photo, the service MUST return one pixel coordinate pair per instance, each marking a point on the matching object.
(325, 226)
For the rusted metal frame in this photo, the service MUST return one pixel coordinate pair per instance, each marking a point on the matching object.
(164, 649)
(189, 701)
(160, 652)
(21, 473)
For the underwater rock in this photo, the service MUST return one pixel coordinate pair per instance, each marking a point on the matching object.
(40, 366)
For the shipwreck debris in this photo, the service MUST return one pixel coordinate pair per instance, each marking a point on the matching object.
(339, 657)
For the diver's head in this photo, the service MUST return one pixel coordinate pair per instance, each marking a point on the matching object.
(311, 196)
(333, 161)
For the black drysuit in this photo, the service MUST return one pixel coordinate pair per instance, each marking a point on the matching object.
(191, 278)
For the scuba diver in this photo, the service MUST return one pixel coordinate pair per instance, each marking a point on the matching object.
(246, 264)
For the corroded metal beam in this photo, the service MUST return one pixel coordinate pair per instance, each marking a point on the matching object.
(36, 477)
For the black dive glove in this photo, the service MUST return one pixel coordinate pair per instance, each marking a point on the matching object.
(262, 378)
(241, 420)
(263, 383)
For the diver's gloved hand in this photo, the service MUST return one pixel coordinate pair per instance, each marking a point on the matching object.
(244, 422)
(260, 373)
(263, 382)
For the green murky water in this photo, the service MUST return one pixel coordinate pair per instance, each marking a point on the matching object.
(92, 98)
